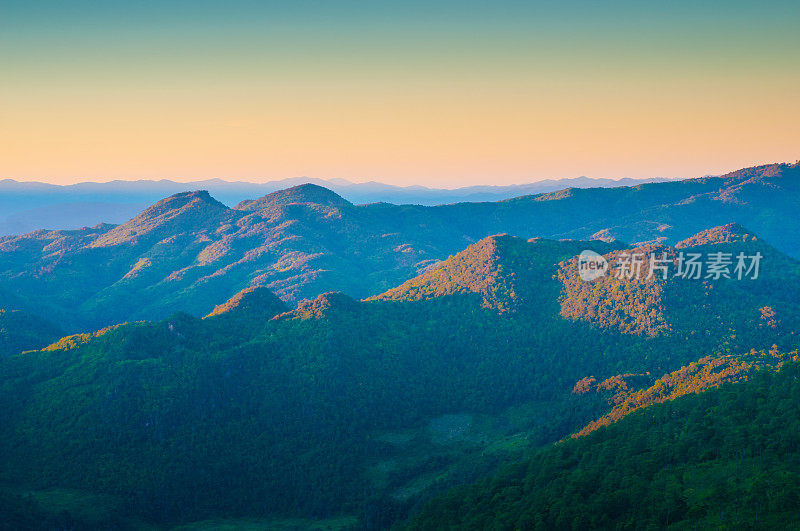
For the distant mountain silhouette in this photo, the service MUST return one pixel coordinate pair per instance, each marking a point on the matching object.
(26, 206)
(72, 215)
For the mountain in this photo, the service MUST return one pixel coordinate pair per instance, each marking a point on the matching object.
(189, 251)
(730, 233)
(255, 301)
(26, 206)
(656, 304)
(184, 212)
(697, 377)
(659, 212)
(505, 271)
(308, 194)
(363, 410)
(323, 306)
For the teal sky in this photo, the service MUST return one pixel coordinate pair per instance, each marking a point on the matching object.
(445, 93)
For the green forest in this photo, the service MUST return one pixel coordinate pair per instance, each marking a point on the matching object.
(726, 458)
(365, 410)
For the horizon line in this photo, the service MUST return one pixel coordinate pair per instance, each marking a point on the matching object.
(349, 182)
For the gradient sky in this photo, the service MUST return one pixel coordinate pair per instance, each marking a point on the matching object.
(434, 93)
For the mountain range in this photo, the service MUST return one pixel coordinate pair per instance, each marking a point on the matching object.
(190, 251)
(26, 206)
(365, 410)
(299, 361)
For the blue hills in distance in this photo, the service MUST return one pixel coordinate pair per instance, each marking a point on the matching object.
(27, 206)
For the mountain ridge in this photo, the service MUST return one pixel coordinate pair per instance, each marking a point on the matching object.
(303, 193)
(26, 206)
(189, 251)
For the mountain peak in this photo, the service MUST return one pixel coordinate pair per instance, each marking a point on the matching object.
(179, 212)
(307, 193)
(758, 185)
(730, 233)
(180, 200)
(490, 267)
(321, 305)
(256, 301)
(473, 270)
(505, 270)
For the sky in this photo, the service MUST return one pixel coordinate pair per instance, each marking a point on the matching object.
(435, 93)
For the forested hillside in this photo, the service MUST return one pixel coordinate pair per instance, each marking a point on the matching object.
(671, 301)
(339, 407)
(697, 377)
(723, 459)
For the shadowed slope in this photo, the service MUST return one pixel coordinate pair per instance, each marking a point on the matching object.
(21, 331)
